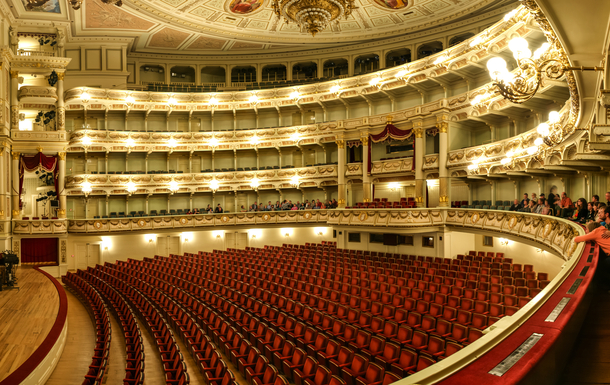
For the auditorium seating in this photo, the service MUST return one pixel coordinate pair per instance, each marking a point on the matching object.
(315, 312)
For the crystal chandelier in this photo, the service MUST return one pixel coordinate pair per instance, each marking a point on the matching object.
(313, 16)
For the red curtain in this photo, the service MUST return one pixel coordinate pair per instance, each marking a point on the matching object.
(391, 131)
(38, 162)
(39, 250)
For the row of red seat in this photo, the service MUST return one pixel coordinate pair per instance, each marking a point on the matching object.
(173, 363)
(213, 368)
(134, 346)
(267, 337)
(348, 328)
(103, 332)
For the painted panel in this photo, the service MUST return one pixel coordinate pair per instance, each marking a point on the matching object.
(114, 60)
(94, 59)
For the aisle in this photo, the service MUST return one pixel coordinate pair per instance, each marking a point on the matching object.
(590, 359)
(76, 358)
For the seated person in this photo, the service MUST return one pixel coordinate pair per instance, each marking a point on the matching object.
(516, 206)
(218, 209)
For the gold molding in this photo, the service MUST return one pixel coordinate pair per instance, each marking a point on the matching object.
(14, 74)
(364, 140)
(340, 143)
(15, 213)
(15, 155)
(61, 75)
(62, 155)
(418, 132)
(443, 127)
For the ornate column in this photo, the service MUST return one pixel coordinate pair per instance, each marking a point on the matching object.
(14, 100)
(15, 179)
(61, 110)
(418, 131)
(2, 182)
(341, 173)
(61, 212)
(366, 177)
(443, 153)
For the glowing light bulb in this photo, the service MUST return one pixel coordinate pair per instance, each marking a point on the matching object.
(518, 45)
(254, 183)
(294, 180)
(543, 129)
(538, 142)
(172, 101)
(129, 99)
(214, 184)
(375, 81)
(295, 95)
(554, 117)
(87, 141)
(213, 101)
(172, 143)
(213, 142)
(86, 187)
(473, 167)
(173, 186)
(532, 150)
(253, 99)
(85, 96)
(510, 153)
(254, 140)
(130, 142)
(295, 136)
(131, 187)
(440, 59)
(506, 161)
(400, 74)
(510, 15)
(334, 89)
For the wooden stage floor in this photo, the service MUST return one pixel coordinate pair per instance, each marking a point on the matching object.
(26, 317)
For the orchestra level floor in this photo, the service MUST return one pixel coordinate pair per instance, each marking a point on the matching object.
(26, 317)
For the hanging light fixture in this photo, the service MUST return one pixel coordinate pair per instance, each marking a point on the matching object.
(313, 16)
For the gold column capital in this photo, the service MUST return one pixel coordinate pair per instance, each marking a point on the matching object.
(418, 132)
(443, 127)
(62, 155)
(14, 74)
(15, 213)
(39, 148)
(1, 213)
(15, 155)
(61, 75)
(364, 140)
(340, 143)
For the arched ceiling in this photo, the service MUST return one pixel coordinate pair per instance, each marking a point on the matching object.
(199, 26)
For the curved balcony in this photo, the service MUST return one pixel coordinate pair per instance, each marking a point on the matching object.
(465, 54)
(36, 94)
(273, 179)
(547, 233)
(37, 226)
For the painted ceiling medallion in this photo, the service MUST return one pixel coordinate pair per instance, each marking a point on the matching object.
(313, 16)
(392, 4)
(242, 7)
(51, 6)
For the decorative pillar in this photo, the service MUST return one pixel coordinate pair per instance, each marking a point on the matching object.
(444, 181)
(341, 172)
(15, 179)
(61, 212)
(419, 163)
(2, 182)
(366, 177)
(14, 100)
(61, 110)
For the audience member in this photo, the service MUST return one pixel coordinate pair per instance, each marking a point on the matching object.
(608, 198)
(539, 206)
(592, 212)
(566, 205)
(516, 206)
(552, 195)
(580, 212)
(595, 198)
(603, 215)
(218, 209)
(525, 201)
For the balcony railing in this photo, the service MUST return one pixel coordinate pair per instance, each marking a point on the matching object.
(27, 52)
(40, 226)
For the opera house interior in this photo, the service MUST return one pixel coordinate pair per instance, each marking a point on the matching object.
(307, 192)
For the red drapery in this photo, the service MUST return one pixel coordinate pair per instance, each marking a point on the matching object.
(390, 132)
(39, 250)
(38, 162)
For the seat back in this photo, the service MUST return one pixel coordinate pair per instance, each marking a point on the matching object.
(310, 366)
(359, 363)
(374, 373)
(322, 375)
(345, 355)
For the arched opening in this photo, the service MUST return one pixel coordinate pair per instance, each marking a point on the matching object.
(460, 38)
(335, 68)
(152, 75)
(273, 73)
(182, 74)
(366, 63)
(305, 70)
(397, 57)
(213, 76)
(243, 74)
(428, 49)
